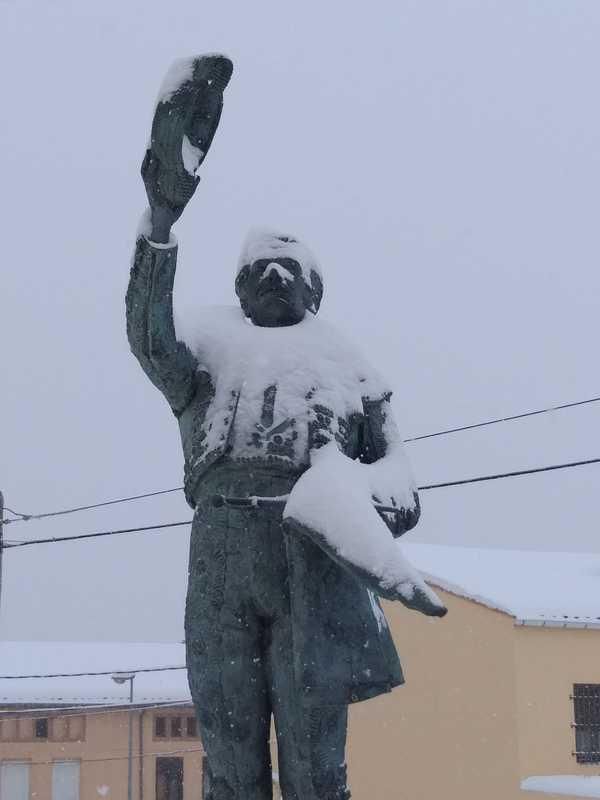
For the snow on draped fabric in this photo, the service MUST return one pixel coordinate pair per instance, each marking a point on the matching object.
(332, 503)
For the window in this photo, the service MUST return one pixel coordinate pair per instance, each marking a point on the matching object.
(65, 780)
(25, 730)
(14, 780)
(175, 727)
(586, 706)
(68, 729)
(169, 779)
(55, 729)
(8, 730)
(192, 727)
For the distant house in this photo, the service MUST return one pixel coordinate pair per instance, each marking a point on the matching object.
(67, 738)
(502, 698)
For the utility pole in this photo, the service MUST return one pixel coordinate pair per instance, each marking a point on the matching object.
(1, 541)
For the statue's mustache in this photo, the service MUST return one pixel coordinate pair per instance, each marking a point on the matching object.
(276, 292)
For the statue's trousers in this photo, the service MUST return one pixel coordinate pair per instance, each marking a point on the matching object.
(273, 625)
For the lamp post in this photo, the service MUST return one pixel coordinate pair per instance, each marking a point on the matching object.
(123, 677)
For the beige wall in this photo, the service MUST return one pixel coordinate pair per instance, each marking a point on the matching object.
(103, 754)
(548, 662)
(449, 733)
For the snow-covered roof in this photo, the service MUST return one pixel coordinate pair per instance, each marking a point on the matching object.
(537, 588)
(35, 658)
(572, 785)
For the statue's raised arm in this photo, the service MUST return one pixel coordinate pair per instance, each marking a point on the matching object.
(187, 114)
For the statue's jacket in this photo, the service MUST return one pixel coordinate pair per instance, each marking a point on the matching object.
(343, 650)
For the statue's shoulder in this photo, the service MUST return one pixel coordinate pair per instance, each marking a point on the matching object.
(341, 348)
(212, 332)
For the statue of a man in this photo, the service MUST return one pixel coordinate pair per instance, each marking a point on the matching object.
(274, 624)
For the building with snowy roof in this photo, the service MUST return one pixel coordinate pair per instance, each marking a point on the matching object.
(502, 697)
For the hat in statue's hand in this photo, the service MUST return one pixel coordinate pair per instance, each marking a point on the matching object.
(187, 114)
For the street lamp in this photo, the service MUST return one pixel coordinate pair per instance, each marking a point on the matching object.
(123, 677)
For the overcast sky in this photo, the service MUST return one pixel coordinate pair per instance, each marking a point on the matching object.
(442, 160)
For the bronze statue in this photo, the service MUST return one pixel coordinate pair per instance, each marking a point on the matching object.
(278, 620)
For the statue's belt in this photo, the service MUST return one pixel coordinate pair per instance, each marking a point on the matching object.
(255, 501)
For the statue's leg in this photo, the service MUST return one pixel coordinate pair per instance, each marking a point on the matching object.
(325, 729)
(225, 669)
(311, 739)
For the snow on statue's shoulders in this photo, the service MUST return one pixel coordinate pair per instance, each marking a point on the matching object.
(225, 341)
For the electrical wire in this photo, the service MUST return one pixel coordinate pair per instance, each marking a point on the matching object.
(27, 517)
(514, 474)
(16, 513)
(462, 482)
(92, 674)
(54, 539)
(445, 432)
(502, 419)
(116, 758)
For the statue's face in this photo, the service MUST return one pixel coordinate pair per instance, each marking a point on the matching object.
(273, 292)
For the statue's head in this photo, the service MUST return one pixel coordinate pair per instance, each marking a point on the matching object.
(278, 279)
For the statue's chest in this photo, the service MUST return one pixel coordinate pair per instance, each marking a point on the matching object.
(266, 426)
(285, 421)
(279, 392)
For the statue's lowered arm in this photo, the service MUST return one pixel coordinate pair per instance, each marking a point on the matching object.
(382, 445)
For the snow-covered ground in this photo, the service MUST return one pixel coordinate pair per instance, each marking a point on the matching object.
(572, 785)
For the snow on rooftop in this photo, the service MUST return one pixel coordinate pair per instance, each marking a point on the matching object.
(34, 658)
(535, 587)
(572, 785)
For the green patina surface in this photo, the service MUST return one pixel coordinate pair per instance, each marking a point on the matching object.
(273, 625)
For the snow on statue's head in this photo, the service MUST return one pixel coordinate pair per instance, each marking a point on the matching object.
(278, 279)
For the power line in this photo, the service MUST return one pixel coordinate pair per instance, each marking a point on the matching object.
(447, 431)
(514, 474)
(462, 482)
(502, 419)
(121, 758)
(16, 513)
(91, 674)
(54, 539)
(27, 517)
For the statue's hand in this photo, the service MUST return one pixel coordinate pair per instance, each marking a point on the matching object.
(185, 121)
(164, 212)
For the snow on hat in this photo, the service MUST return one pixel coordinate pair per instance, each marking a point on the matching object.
(268, 243)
